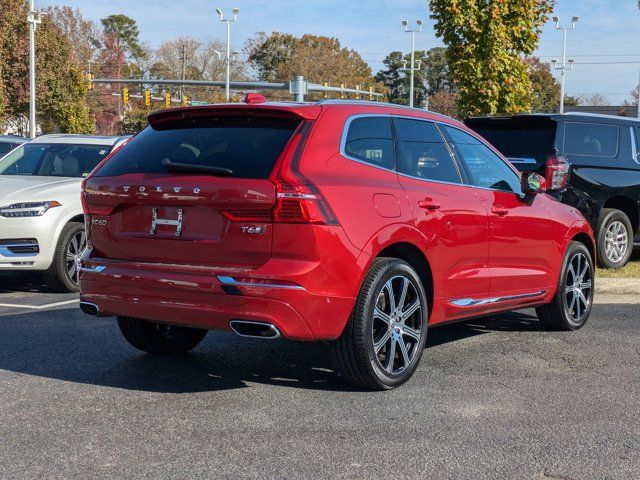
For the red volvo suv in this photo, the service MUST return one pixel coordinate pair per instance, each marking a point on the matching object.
(353, 222)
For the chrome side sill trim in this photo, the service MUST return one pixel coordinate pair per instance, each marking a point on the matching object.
(474, 302)
(93, 269)
(232, 281)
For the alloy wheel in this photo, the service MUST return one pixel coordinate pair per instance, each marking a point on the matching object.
(75, 249)
(578, 286)
(397, 325)
(616, 241)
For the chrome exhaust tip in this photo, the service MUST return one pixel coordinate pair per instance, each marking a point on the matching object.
(247, 328)
(90, 308)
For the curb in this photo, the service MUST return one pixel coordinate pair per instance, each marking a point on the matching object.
(617, 286)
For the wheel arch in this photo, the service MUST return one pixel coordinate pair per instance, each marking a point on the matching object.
(628, 207)
(588, 242)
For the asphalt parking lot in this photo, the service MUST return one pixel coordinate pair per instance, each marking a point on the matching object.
(494, 398)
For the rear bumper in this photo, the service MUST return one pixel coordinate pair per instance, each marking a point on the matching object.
(209, 300)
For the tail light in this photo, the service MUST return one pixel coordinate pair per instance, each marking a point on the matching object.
(557, 173)
(298, 200)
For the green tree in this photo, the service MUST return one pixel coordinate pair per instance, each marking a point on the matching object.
(432, 77)
(282, 56)
(486, 42)
(60, 84)
(125, 29)
(545, 90)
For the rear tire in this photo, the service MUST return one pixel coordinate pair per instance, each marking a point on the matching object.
(63, 274)
(385, 336)
(159, 339)
(571, 305)
(614, 238)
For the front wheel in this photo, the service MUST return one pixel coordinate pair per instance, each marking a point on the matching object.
(383, 341)
(159, 339)
(571, 305)
(64, 273)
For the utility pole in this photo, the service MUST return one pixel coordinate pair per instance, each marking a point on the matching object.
(412, 70)
(184, 67)
(34, 18)
(228, 57)
(563, 67)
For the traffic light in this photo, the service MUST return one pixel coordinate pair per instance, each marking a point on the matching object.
(147, 98)
(185, 100)
(167, 100)
(357, 94)
(125, 96)
(89, 81)
(370, 93)
(342, 94)
(325, 94)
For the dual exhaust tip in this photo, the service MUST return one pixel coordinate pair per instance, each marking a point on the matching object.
(243, 328)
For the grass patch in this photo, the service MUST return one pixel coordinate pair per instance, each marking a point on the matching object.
(631, 270)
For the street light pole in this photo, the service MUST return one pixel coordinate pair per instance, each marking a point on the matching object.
(33, 17)
(563, 67)
(412, 70)
(228, 57)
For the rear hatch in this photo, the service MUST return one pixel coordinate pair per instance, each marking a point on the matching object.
(193, 188)
(526, 141)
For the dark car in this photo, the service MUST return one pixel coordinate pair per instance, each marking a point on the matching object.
(9, 142)
(591, 162)
(353, 222)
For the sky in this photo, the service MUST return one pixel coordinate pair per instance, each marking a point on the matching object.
(605, 44)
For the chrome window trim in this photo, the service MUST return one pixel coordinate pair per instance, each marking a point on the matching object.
(447, 143)
(564, 139)
(633, 131)
(474, 302)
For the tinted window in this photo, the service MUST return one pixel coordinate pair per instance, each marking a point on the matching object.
(369, 139)
(5, 148)
(521, 142)
(594, 139)
(485, 168)
(635, 143)
(248, 146)
(53, 160)
(422, 153)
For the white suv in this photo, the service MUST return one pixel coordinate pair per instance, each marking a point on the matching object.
(41, 220)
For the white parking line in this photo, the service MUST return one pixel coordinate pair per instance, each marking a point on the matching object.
(39, 307)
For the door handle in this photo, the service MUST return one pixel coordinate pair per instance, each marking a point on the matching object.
(500, 211)
(429, 204)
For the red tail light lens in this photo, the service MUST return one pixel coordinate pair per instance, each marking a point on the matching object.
(298, 200)
(557, 174)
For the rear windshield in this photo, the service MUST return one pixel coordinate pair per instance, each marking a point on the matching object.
(521, 143)
(248, 146)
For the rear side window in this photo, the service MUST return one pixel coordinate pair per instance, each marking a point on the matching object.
(591, 139)
(248, 146)
(422, 153)
(5, 148)
(369, 139)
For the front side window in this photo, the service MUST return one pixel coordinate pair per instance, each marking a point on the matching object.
(422, 153)
(484, 167)
(591, 139)
(369, 139)
(53, 160)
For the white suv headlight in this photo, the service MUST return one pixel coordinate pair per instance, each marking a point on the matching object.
(27, 209)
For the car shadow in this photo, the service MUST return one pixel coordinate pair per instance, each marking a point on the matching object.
(66, 345)
(27, 282)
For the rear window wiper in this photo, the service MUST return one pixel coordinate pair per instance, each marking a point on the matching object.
(191, 168)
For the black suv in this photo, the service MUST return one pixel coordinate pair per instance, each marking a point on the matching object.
(590, 161)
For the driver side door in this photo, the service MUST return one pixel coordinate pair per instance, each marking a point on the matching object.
(522, 249)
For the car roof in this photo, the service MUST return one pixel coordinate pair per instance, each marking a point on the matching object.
(59, 138)
(559, 116)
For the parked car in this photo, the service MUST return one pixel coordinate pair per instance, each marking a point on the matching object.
(9, 142)
(41, 220)
(354, 222)
(592, 162)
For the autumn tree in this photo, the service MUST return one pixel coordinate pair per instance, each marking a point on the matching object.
(594, 100)
(60, 84)
(82, 34)
(545, 90)
(279, 57)
(486, 43)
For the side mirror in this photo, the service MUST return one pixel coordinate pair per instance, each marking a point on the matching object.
(533, 183)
